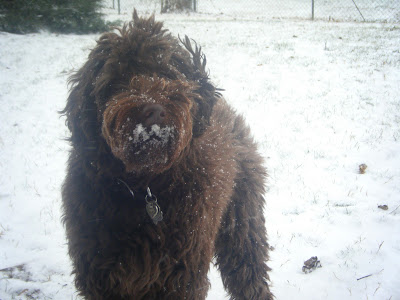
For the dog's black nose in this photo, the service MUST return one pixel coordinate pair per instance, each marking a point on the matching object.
(154, 114)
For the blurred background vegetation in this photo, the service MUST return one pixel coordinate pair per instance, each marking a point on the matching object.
(61, 16)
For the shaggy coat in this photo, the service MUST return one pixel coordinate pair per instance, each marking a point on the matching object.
(143, 114)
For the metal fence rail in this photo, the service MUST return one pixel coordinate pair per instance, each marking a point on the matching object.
(334, 10)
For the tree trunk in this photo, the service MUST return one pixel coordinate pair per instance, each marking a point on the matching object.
(176, 5)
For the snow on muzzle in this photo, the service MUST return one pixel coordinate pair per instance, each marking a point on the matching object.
(148, 126)
(157, 137)
(139, 147)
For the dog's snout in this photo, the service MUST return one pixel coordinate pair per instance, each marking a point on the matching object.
(153, 114)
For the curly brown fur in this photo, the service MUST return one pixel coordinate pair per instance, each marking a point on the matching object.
(142, 113)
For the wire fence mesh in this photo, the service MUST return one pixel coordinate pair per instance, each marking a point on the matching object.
(333, 10)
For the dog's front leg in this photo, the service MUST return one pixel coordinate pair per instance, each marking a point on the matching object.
(241, 248)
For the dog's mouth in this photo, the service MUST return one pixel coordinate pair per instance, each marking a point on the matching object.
(144, 149)
(147, 149)
(151, 145)
(156, 137)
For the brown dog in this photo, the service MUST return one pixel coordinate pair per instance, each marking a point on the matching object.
(162, 176)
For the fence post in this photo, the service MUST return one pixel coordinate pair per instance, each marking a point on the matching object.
(312, 10)
(358, 10)
(119, 7)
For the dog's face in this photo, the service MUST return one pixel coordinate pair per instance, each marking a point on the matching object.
(148, 125)
(141, 97)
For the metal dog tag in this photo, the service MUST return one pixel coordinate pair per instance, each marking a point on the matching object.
(152, 207)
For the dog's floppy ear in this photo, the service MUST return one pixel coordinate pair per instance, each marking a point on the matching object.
(81, 108)
(208, 93)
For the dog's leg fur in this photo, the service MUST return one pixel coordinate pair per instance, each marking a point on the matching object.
(241, 246)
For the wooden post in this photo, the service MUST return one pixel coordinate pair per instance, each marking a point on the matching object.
(312, 10)
(119, 7)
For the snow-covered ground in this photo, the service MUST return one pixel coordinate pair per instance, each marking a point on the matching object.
(321, 98)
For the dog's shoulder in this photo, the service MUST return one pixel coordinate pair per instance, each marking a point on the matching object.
(228, 119)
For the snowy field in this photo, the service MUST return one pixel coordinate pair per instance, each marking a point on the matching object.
(321, 98)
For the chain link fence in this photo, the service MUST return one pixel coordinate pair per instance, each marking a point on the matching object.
(333, 10)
